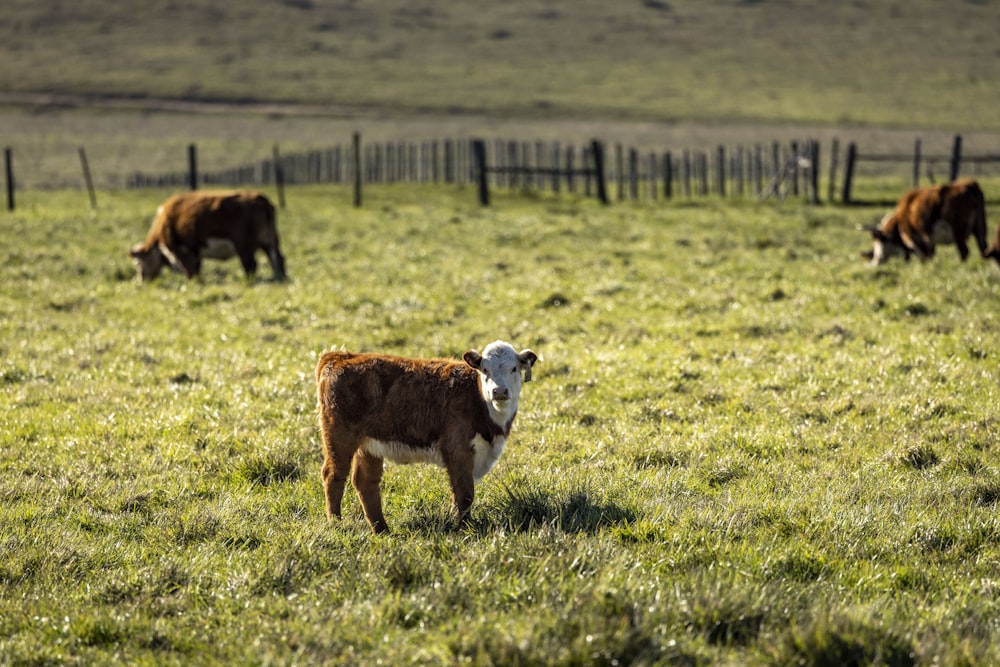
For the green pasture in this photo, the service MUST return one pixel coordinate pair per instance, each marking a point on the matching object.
(741, 444)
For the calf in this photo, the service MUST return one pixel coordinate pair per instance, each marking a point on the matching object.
(457, 414)
(926, 216)
(218, 225)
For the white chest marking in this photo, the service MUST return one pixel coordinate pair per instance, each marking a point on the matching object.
(484, 455)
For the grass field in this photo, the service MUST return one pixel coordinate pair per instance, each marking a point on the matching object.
(742, 446)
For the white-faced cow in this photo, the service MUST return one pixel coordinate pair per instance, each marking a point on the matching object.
(456, 414)
(197, 225)
(930, 215)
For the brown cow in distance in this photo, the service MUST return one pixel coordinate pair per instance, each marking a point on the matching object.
(994, 250)
(457, 414)
(197, 225)
(930, 215)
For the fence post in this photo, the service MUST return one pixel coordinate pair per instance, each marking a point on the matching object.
(570, 180)
(687, 173)
(86, 178)
(852, 154)
(356, 144)
(814, 169)
(555, 167)
(795, 168)
(633, 174)
(668, 175)
(193, 166)
(834, 150)
(956, 157)
(720, 158)
(279, 176)
(479, 158)
(597, 148)
(652, 175)
(620, 171)
(758, 170)
(916, 162)
(449, 161)
(738, 162)
(8, 159)
(701, 164)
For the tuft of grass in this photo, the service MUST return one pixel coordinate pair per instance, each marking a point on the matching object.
(846, 643)
(266, 469)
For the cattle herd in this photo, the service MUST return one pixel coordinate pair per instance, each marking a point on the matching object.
(456, 414)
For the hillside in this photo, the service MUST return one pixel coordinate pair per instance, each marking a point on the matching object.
(914, 64)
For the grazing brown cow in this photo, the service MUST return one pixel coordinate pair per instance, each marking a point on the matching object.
(930, 215)
(190, 227)
(457, 414)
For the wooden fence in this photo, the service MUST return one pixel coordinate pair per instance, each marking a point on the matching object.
(618, 173)
(755, 171)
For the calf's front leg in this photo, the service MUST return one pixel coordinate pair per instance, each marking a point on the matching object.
(459, 461)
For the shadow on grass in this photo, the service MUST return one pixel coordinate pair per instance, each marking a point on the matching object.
(523, 507)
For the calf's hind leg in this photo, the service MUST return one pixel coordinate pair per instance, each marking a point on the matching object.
(367, 478)
(338, 450)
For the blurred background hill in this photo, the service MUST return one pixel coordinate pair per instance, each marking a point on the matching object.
(919, 63)
(137, 82)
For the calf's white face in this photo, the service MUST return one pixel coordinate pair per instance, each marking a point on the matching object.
(500, 367)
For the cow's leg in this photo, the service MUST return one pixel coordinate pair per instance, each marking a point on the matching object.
(277, 261)
(979, 232)
(963, 249)
(459, 461)
(248, 260)
(463, 491)
(924, 247)
(367, 478)
(338, 450)
(184, 260)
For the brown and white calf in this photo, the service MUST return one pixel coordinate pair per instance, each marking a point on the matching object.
(456, 414)
(930, 215)
(197, 225)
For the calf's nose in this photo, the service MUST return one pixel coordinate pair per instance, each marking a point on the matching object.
(501, 393)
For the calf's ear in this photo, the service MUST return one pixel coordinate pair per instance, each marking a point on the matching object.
(527, 359)
(473, 358)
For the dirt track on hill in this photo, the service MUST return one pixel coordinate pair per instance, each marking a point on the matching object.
(379, 123)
